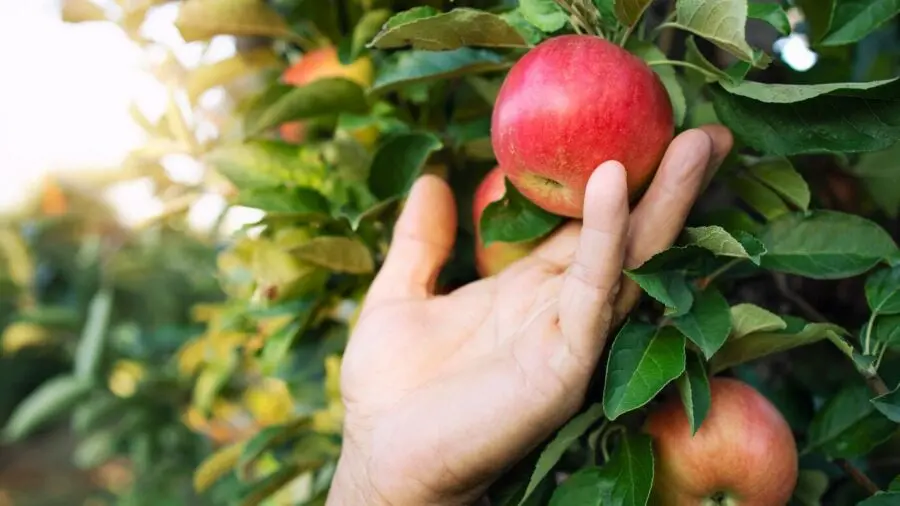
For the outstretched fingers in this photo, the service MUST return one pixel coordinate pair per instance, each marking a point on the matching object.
(422, 241)
(591, 281)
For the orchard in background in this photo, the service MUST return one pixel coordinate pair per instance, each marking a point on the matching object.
(786, 279)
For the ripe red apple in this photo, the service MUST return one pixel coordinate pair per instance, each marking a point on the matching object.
(570, 104)
(744, 453)
(497, 256)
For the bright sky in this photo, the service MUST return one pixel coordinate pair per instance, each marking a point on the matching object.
(64, 100)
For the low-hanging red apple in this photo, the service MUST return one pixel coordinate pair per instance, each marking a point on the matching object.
(570, 104)
(743, 454)
(491, 259)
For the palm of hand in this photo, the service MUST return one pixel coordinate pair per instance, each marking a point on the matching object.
(443, 392)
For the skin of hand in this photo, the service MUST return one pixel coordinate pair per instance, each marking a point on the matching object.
(443, 393)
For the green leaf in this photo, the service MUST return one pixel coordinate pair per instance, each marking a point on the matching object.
(257, 492)
(514, 218)
(547, 15)
(670, 288)
(554, 451)
(772, 14)
(882, 499)
(887, 329)
(327, 96)
(693, 55)
(775, 93)
(629, 12)
(758, 196)
(204, 19)
(281, 200)
(825, 245)
(844, 121)
(889, 405)
(625, 480)
(265, 440)
(883, 290)
(708, 323)
(749, 319)
(642, 361)
(278, 345)
(338, 254)
(48, 401)
(880, 174)
(721, 22)
(761, 344)
(255, 164)
(91, 344)
(819, 15)
(717, 240)
(811, 486)
(398, 163)
(848, 425)
(650, 53)
(96, 449)
(853, 20)
(780, 176)
(93, 413)
(368, 27)
(693, 386)
(460, 27)
(528, 31)
(416, 66)
(408, 16)
(216, 466)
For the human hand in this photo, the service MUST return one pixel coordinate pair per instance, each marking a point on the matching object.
(445, 392)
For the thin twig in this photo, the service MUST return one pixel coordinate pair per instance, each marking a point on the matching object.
(869, 374)
(805, 307)
(858, 476)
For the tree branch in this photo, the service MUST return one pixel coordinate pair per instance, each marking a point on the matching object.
(858, 476)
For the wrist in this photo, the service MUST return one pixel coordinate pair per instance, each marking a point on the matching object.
(351, 485)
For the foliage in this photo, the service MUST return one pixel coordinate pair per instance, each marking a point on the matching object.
(757, 286)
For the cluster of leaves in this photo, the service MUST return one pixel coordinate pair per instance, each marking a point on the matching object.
(98, 314)
(723, 300)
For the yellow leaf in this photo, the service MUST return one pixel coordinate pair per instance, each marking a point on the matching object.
(190, 357)
(20, 335)
(340, 254)
(225, 71)
(125, 378)
(333, 377)
(269, 402)
(279, 274)
(18, 262)
(204, 19)
(79, 11)
(217, 466)
(330, 419)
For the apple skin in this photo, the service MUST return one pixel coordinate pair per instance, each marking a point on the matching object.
(497, 256)
(322, 63)
(743, 455)
(570, 104)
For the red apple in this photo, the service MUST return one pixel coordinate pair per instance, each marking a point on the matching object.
(570, 104)
(497, 256)
(744, 453)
